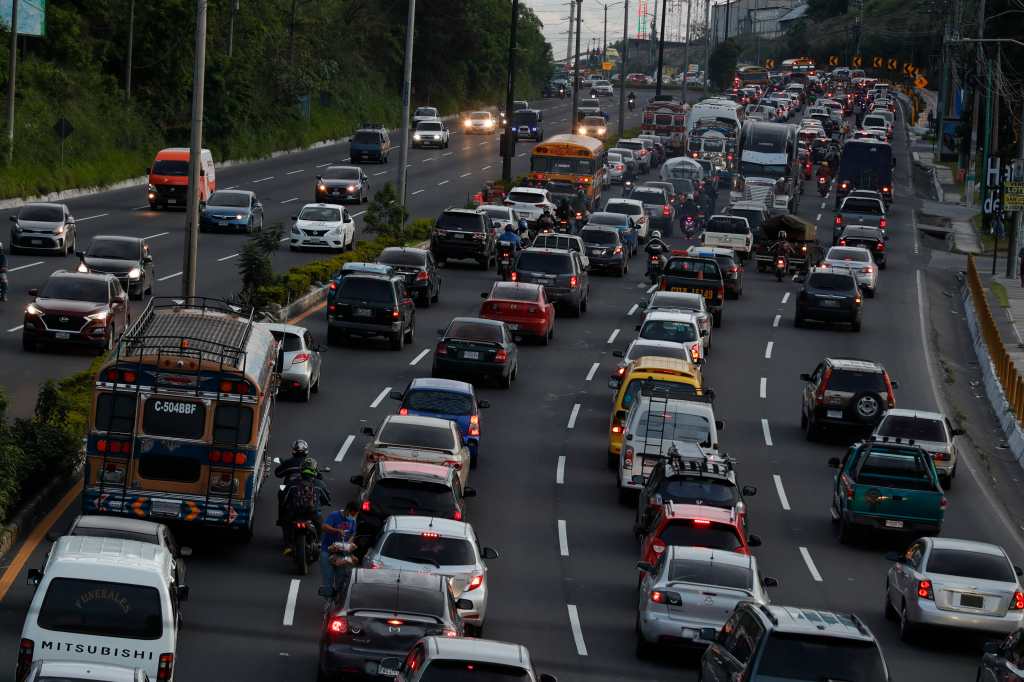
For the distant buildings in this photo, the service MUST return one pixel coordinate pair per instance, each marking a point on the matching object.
(764, 18)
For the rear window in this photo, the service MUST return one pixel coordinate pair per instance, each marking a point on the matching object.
(688, 533)
(651, 196)
(967, 564)
(366, 137)
(548, 263)
(116, 533)
(830, 282)
(115, 412)
(711, 573)
(754, 218)
(174, 418)
(514, 293)
(448, 670)
(852, 381)
(639, 349)
(289, 342)
(232, 424)
(413, 497)
(839, 253)
(693, 268)
(727, 226)
(674, 426)
(102, 609)
(341, 172)
(365, 289)
(798, 657)
(857, 205)
(674, 299)
(623, 208)
(682, 186)
(526, 197)
(402, 257)
(604, 237)
(697, 490)
(911, 469)
(427, 549)
(669, 330)
(439, 402)
(613, 219)
(404, 433)
(429, 125)
(467, 222)
(466, 330)
(912, 427)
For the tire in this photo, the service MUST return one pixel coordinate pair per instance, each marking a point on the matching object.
(881, 266)
(621, 272)
(643, 647)
(545, 339)
(613, 460)
(812, 430)
(410, 334)
(585, 303)
(316, 385)
(904, 628)
(425, 299)
(506, 382)
(870, 293)
(437, 294)
(845, 532)
(717, 317)
(484, 264)
(300, 557)
(946, 482)
(304, 398)
(867, 407)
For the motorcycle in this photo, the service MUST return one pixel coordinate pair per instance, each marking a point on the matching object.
(807, 170)
(305, 544)
(632, 104)
(563, 226)
(655, 264)
(822, 185)
(561, 92)
(505, 255)
(781, 267)
(690, 226)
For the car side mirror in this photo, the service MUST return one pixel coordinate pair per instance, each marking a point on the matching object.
(440, 332)
(833, 462)
(484, 295)
(720, 425)
(749, 490)
(356, 480)
(614, 383)
(489, 553)
(148, 258)
(618, 354)
(35, 576)
(768, 581)
(80, 254)
(547, 677)
(396, 395)
(33, 292)
(183, 593)
(804, 376)
(644, 566)
(367, 431)
(464, 604)
(709, 635)
(469, 492)
(895, 384)
(637, 327)
(483, 404)
(754, 540)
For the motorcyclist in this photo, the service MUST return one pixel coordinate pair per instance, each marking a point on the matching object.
(781, 246)
(564, 210)
(293, 465)
(824, 171)
(303, 498)
(546, 222)
(632, 100)
(509, 236)
(689, 209)
(579, 203)
(655, 245)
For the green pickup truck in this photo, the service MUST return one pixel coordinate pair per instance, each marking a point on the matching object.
(888, 484)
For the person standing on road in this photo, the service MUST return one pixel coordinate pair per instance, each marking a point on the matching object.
(339, 526)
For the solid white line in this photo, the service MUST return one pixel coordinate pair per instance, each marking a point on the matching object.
(632, 310)
(563, 539)
(92, 217)
(423, 354)
(466, 175)
(577, 631)
(767, 432)
(785, 298)
(447, 153)
(269, 177)
(810, 564)
(321, 165)
(593, 370)
(429, 158)
(344, 448)
(775, 322)
(560, 470)
(768, 350)
(221, 260)
(167, 277)
(289, 605)
(356, 215)
(924, 335)
(763, 391)
(443, 182)
(295, 171)
(613, 335)
(781, 491)
(572, 416)
(14, 329)
(485, 168)
(379, 398)
(416, 192)
(818, 218)
(288, 201)
(380, 173)
(651, 288)
(158, 234)
(26, 266)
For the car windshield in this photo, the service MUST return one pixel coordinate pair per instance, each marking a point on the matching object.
(711, 573)
(639, 349)
(366, 289)
(968, 564)
(547, 263)
(677, 331)
(800, 657)
(697, 490)
(597, 121)
(341, 173)
(874, 122)
(827, 281)
(464, 222)
(120, 249)
(324, 214)
(450, 670)
(366, 137)
(839, 253)
(753, 216)
(468, 330)
(701, 533)
(915, 428)
(438, 402)
(762, 170)
(603, 237)
(724, 225)
(88, 289)
(423, 435)
(170, 167)
(432, 126)
(43, 214)
(623, 207)
(102, 609)
(612, 219)
(233, 199)
(512, 292)
(862, 205)
(412, 496)
(648, 196)
(664, 425)
(852, 381)
(289, 342)
(496, 212)
(402, 257)
(428, 548)
(425, 111)
(480, 116)
(526, 197)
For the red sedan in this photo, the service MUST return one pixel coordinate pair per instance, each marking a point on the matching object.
(523, 307)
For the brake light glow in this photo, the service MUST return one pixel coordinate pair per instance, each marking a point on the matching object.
(839, 220)
(165, 667)
(514, 276)
(501, 355)
(701, 522)
(573, 281)
(882, 222)
(422, 276)
(300, 358)
(880, 246)
(338, 625)
(457, 515)
(476, 582)
(404, 411)
(658, 597)
(25, 652)
(924, 589)
(842, 242)
(394, 621)
(365, 506)
(333, 286)
(868, 270)
(1018, 601)
(442, 349)
(666, 210)
(395, 314)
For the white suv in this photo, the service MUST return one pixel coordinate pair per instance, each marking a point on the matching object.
(529, 202)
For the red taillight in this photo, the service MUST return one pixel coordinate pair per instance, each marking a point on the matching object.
(882, 222)
(573, 281)
(820, 395)
(847, 486)
(25, 652)
(333, 286)
(839, 220)
(422, 276)
(514, 276)
(655, 259)
(165, 667)
(395, 314)
(365, 506)
(338, 625)
(540, 205)
(501, 355)
(476, 582)
(924, 589)
(474, 425)
(845, 185)
(619, 167)
(457, 515)
(842, 242)
(395, 621)
(940, 456)
(442, 349)
(1017, 604)
(627, 458)
(404, 411)
(695, 350)
(658, 545)
(618, 249)
(666, 210)
(701, 522)
(880, 246)
(658, 597)
(300, 358)
(332, 308)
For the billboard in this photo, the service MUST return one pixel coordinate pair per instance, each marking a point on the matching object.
(31, 16)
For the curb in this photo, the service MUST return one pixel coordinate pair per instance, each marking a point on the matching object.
(29, 516)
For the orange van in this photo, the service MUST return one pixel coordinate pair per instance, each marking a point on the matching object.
(168, 178)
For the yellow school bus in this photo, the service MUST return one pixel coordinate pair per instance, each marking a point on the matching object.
(576, 159)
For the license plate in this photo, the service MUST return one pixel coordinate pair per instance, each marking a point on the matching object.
(63, 336)
(889, 523)
(222, 224)
(975, 601)
(172, 201)
(165, 508)
(37, 242)
(386, 672)
(834, 414)
(471, 354)
(362, 312)
(829, 304)
(459, 235)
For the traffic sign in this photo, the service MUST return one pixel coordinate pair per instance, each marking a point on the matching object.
(892, 64)
(909, 69)
(769, 63)
(63, 128)
(920, 82)
(833, 60)
(606, 66)
(858, 62)
(876, 62)
(1013, 195)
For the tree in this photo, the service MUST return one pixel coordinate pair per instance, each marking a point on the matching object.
(255, 267)
(825, 9)
(385, 216)
(722, 63)
(797, 40)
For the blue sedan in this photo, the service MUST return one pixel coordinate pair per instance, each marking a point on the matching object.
(446, 399)
(236, 210)
(623, 223)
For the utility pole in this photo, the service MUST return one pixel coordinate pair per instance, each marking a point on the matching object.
(995, 105)
(976, 111)
(403, 152)
(231, 28)
(604, 50)
(757, 31)
(576, 68)
(291, 36)
(1013, 242)
(728, 8)
(940, 114)
(12, 72)
(131, 43)
(686, 49)
(707, 41)
(568, 42)
(622, 71)
(661, 46)
(985, 149)
(508, 149)
(188, 280)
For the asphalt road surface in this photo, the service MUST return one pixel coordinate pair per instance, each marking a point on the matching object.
(565, 584)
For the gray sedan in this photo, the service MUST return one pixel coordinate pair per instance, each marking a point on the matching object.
(300, 360)
(952, 583)
(44, 227)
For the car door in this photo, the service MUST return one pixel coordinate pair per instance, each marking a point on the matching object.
(349, 227)
(905, 575)
(433, 277)
(314, 355)
(810, 387)
(406, 303)
(118, 303)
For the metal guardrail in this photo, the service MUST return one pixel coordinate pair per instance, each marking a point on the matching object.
(1006, 370)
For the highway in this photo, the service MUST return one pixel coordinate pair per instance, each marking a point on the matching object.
(565, 584)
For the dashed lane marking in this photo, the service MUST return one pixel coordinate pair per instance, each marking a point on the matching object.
(356, 215)
(288, 201)
(563, 539)
(560, 470)
(763, 390)
(632, 309)
(783, 500)
(810, 564)
(25, 267)
(92, 217)
(577, 631)
(611, 338)
(775, 322)
(379, 398)
(768, 350)
(572, 416)
(415, 193)
(767, 432)
(651, 288)
(16, 329)
(158, 234)
(466, 175)
(443, 182)
(349, 439)
(322, 165)
(818, 218)
(422, 354)
(269, 177)
(380, 173)
(289, 605)
(593, 370)
(167, 277)
(295, 171)
(429, 158)
(785, 298)
(485, 168)
(221, 260)
(447, 153)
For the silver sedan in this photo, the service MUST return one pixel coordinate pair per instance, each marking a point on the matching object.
(859, 262)
(951, 583)
(300, 360)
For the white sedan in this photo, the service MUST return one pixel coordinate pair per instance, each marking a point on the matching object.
(482, 122)
(322, 226)
(858, 261)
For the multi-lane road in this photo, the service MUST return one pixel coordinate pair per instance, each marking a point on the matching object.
(565, 584)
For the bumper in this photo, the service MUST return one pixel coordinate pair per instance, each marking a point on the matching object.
(295, 381)
(478, 614)
(839, 418)
(428, 142)
(558, 295)
(915, 526)
(468, 368)
(658, 628)
(168, 195)
(459, 249)
(944, 467)
(927, 613)
(37, 241)
(365, 328)
(169, 507)
(339, 662)
(827, 314)
(606, 262)
(94, 336)
(336, 197)
(529, 327)
(214, 223)
(367, 154)
(331, 240)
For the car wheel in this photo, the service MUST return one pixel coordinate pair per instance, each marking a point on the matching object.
(946, 482)
(717, 317)
(425, 299)
(613, 460)
(316, 385)
(506, 381)
(812, 430)
(437, 293)
(643, 647)
(869, 292)
(890, 612)
(545, 339)
(621, 272)
(576, 310)
(881, 266)
(585, 303)
(410, 334)
(626, 497)
(845, 532)
(855, 326)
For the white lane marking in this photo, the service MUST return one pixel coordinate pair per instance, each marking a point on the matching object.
(485, 168)
(593, 370)
(483, 144)
(416, 192)
(221, 260)
(768, 350)
(924, 336)
(429, 158)
(466, 175)
(397, 146)
(295, 171)
(611, 338)
(572, 416)
(563, 539)
(823, 204)
(321, 165)
(763, 390)
(356, 215)
(283, 239)
(632, 309)
(139, 208)
(26, 266)
(269, 177)
(167, 277)
(560, 470)
(767, 432)
(577, 631)
(783, 500)
(651, 288)
(423, 354)
(810, 564)
(785, 298)
(14, 329)
(344, 448)
(380, 173)
(775, 322)
(231, 187)
(521, 154)
(158, 234)
(289, 605)
(447, 153)
(92, 217)
(288, 201)
(818, 218)
(379, 398)
(443, 182)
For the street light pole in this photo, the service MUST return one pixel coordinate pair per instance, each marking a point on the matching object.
(975, 112)
(661, 45)
(604, 48)
(403, 152)
(231, 28)
(686, 49)
(622, 71)
(572, 25)
(508, 149)
(12, 71)
(188, 280)
(576, 68)
(707, 41)
(131, 44)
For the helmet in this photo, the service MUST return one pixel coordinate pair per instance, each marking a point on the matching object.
(656, 234)
(310, 469)
(508, 227)
(300, 447)
(782, 236)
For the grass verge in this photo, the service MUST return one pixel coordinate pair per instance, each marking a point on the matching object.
(999, 292)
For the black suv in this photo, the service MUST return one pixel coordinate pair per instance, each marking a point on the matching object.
(561, 273)
(127, 258)
(367, 305)
(526, 125)
(375, 619)
(829, 297)
(417, 266)
(463, 233)
(845, 392)
(789, 643)
(76, 308)
(409, 488)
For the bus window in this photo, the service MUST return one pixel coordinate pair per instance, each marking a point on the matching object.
(232, 424)
(174, 418)
(115, 412)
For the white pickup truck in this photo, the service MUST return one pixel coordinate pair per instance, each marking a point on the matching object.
(729, 232)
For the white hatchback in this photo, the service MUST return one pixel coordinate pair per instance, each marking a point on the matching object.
(322, 226)
(858, 261)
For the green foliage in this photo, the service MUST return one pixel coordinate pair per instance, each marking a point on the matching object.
(722, 63)
(255, 266)
(826, 9)
(385, 216)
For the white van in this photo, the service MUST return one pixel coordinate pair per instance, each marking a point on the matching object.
(104, 600)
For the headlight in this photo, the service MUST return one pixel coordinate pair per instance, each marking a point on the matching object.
(60, 230)
(488, 123)
(31, 309)
(98, 316)
(239, 216)
(321, 187)
(352, 188)
(295, 229)
(600, 131)
(134, 273)
(415, 136)
(82, 267)
(467, 123)
(583, 131)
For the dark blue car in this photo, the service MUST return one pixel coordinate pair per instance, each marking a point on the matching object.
(236, 210)
(446, 399)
